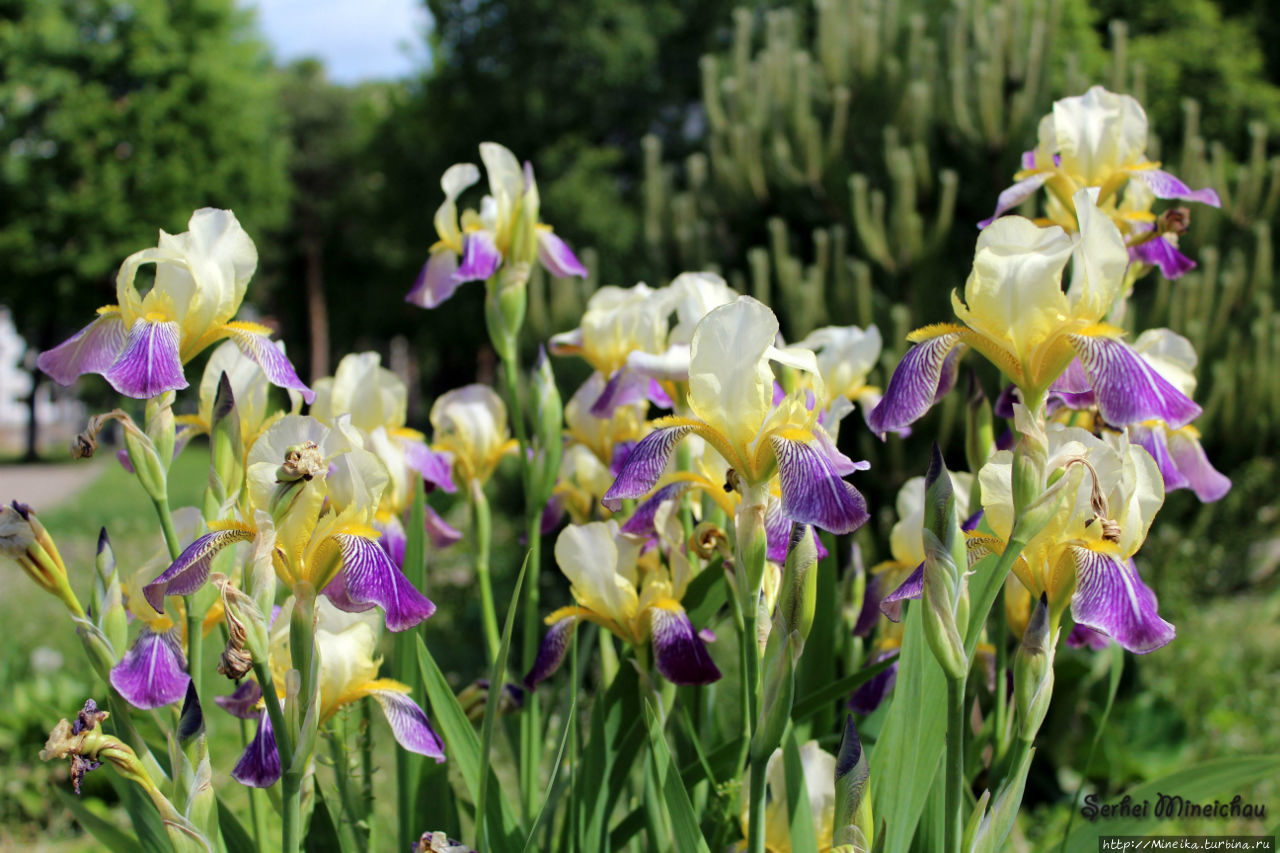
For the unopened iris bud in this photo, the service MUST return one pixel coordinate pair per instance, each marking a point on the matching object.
(161, 427)
(108, 597)
(753, 542)
(797, 598)
(548, 429)
(24, 540)
(144, 458)
(853, 823)
(1033, 672)
(778, 674)
(475, 696)
(226, 447)
(946, 587)
(505, 305)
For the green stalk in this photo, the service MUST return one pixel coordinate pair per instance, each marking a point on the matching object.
(755, 825)
(290, 783)
(195, 622)
(955, 764)
(1002, 667)
(346, 794)
(482, 536)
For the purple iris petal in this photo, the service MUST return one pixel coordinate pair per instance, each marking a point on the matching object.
(393, 540)
(480, 257)
(842, 464)
(436, 467)
(259, 766)
(777, 531)
(870, 612)
(557, 258)
(678, 651)
(150, 363)
(1165, 185)
(925, 374)
(1072, 387)
(552, 650)
(435, 283)
(552, 514)
(644, 466)
(1208, 484)
(277, 367)
(618, 456)
(1154, 440)
(242, 700)
(93, 349)
(623, 388)
(779, 393)
(658, 395)
(441, 533)
(1016, 194)
(152, 673)
(189, 572)
(870, 695)
(909, 590)
(1003, 406)
(368, 577)
(1086, 638)
(1161, 252)
(812, 490)
(641, 522)
(1029, 159)
(409, 724)
(1111, 598)
(1128, 389)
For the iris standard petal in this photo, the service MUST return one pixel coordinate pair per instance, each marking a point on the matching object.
(150, 363)
(93, 349)
(153, 672)
(189, 572)
(1111, 598)
(1162, 253)
(259, 766)
(678, 652)
(556, 257)
(1129, 390)
(369, 577)
(409, 724)
(1189, 457)
(623, 388)
(435, 283)
(1165, 185)
(812, 490)
(909, 590)
(480, 257)
(644, 466)
(925, 374)
(242, 700)
(1016, 194)
(551, 652)
(277, 367)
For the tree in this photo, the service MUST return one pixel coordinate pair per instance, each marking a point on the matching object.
(121, 118)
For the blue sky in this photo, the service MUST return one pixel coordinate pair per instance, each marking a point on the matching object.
(357, 39)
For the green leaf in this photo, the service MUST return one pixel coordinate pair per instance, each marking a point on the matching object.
(152, 836)
(1115, 669)
(409, 767)
(821, 698)
(1199, 783)
(686, 834)
(803, 833)
(234, 835)
(104, 832)
(616, 730)
(555, 789)
(322, 833)
(462, 746)
(906, 757)
(497, 678)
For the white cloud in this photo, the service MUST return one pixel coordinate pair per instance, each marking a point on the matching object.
(357, 39)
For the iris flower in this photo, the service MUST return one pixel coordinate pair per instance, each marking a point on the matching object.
(731, 394)
(323, 500)
(141, 344)
(1015, 313)
(471, 248)
(348, 672)
(1083, 556)
(1099, 140)
(820, 782)
(470, 424)
(639, 603)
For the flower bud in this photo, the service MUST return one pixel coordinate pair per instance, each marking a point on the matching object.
(853, 823)
(108, 598)
(226, 445)
(1033, 672)
(946, 587)
(504, 308)
(24, 540)
(797, 598)
(161, 427)
(753, 542)
(778, 674)
(548, 429)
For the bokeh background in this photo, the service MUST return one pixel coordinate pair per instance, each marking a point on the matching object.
(830, 157)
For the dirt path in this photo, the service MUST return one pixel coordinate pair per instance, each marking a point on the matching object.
(46, 486)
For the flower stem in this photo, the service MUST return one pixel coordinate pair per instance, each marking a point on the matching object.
(955, 764)
(290, 783)
(755, 824)
(482, 536)
(195, 620)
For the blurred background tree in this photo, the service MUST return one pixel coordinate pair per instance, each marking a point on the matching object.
(119, 118)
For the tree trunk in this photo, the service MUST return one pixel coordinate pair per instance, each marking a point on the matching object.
(32, 453)
(317, 311)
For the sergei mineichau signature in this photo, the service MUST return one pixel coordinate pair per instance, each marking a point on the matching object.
(1170, 805)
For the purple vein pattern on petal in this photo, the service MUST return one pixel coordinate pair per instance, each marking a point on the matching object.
(910, 590)
(369, 577)
(189, 572)
(1128, 389)
(679, 653)
(150, 363)
(1165, 185)
(152, 673)
(277, 367)
(409, 724)
(641, 522)
(1111, 598)
(552, 650)
(812, 490)
(925, 373)
(480, 257)
(93, 349)
(259, 766)
(644, 466)
(1160, 252)
(242, 700)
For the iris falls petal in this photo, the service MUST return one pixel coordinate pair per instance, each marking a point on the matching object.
(557, 258)
(93, 349)
(644, 465)
(277, 367)
(150, 363)
(153, 672)
(552, 650)
(1128, 389)
(679, 653)
(1112, 599)
(189, 572)
(259, 766)
(925, 374)
(480, 257)
(1165, 185)
(409, 724)
(436, 282)
(909, 590)
(1160, 252)
(369, 577)
(812, 490)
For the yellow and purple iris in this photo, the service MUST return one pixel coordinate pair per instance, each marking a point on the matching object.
(321, 502)
(141, 344)
(472, 247)
(629, 594)
(1015, 313)
(731, 395)
(1099, 140)
(348, 672)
